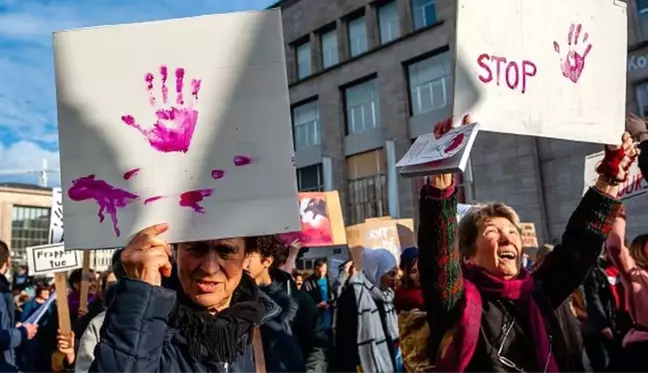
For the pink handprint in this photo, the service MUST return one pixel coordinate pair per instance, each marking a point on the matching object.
(175, 125)
(107, 197)
(573, 63)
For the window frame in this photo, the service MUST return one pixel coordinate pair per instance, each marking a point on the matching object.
(425, 6)
(349, 118)
(320, 179)
(414, 90)
(335, 50)
(297, 126)
(367, 191)
(393, 3)
(360, 18)
(299, 64)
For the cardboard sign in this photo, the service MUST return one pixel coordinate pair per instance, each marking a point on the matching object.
(197, 135)
(447, 154)
(543, 68)
(322, 223)
(635, 185)
(529, 237)
(56, 217)
(49, 259)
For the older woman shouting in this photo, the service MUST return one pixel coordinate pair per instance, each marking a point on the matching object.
(486, 313)
(204, 317)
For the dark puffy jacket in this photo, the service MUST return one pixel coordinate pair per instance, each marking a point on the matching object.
(10, 336)
(643, 159)
(280, 343)
(137, 337)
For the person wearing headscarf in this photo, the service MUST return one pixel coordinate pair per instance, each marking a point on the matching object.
(199, 312)
(366, 335)
(486, 313)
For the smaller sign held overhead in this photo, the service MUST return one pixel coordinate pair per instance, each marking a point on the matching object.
(56, 217)
(50, 259)
(529, 237)
(635, 185)
(322, 223)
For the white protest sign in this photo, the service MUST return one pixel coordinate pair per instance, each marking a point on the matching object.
(56, 217)
(543, 68)
(184, 121)
(50, 259)
(635, 185)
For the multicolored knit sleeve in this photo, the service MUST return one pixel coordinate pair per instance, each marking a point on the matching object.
(439, 259)
(565, 268)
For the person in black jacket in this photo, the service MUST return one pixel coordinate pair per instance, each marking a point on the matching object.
(314, 345)
(283, 352)
(606, 320)
(318, 286)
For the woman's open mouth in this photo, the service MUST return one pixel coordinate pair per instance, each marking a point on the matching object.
(206, 286)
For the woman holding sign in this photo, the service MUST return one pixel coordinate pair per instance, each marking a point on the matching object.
(203, 317)
(486, 313)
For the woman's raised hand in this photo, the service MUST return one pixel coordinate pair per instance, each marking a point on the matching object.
(443, 181)
(146, 258)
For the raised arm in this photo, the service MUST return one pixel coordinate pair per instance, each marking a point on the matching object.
(615, 246)
(566, 266)
(439, 260)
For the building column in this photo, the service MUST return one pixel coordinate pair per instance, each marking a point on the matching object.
(392, 179)
(371, 19)
(405, 16)
(316, 53)
(327, 173)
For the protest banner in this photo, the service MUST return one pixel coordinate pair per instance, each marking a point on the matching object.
(210, 117)
(322, 222)
(554, 78)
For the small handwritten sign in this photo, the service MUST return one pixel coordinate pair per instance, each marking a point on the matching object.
(635, 185)
(49, 259)
(56, 217)
(529, 237)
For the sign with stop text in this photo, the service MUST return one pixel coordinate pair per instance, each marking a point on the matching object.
(635, 185)
(543, 68)
(50, 259)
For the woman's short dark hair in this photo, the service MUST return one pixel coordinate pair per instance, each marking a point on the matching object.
(406, 266)
(4, 252)
(269, 246)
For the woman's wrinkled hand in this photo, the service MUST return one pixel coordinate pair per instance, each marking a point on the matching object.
(146, 258)
(443, 181)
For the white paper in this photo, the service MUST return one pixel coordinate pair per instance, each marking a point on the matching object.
(234, 95)
(449, 153)
(543, 96)
(50, 259)
(635, 185)
(56, 217)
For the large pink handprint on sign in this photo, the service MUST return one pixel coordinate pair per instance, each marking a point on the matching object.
(176, 123)
(107, 197)
(573, 63)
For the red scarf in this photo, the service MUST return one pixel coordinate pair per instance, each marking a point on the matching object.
(461, 347)
(616, 287)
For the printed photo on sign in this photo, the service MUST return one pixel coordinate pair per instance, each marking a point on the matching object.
(321, 221)
(554, 78)
(49, 259)
(212, 122)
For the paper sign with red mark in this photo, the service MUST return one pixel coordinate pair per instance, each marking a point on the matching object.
(195, 133)
(542, 68)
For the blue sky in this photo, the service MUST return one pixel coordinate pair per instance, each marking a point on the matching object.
(27, 95)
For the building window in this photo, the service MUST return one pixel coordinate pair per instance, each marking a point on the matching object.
(367, 186)
(306, 125)
(361, 103)
(29, 227)
(429, 82)
(642, 10)
(303, 60)
(329, 48)
(309, 179)
(357, 36)
(642, 99)
(388, 22)
(424, 13)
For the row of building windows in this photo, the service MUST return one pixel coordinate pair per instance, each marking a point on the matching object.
(423, 15)
(29, 227)
(429, 83)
